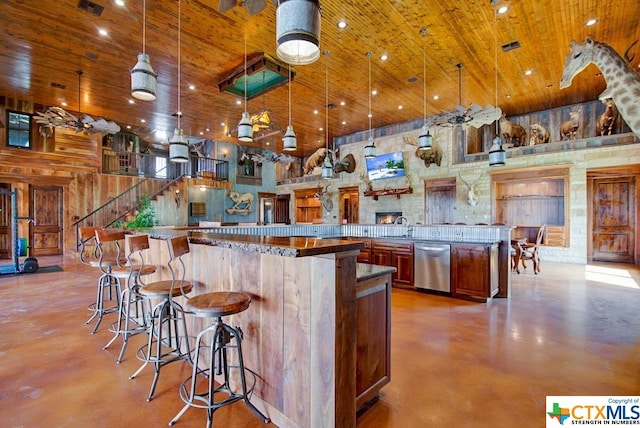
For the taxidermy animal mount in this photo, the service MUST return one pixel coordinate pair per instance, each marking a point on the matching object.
(428, 155)
(623, 82)
(325, 198)
(472, 199)
(346, 164)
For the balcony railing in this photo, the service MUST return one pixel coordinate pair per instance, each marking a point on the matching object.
(158, 166)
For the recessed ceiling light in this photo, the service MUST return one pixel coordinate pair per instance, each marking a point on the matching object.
(143, 121)
(201, 133)
(400, 107)
(119, 2)
(342, 24)
(384, 57)
(528, 72)
(102, 32)
(321, 129)
(192, 87)
(128, 126)
(369, 115)
(315, 112)
(436, 97)
(508, 96)
(238, 102)
(374, 92)
(503, 9)
(131, 102)
(223, 124)
(591, 22)
(343, 103)
(344, 122)
(63, 104)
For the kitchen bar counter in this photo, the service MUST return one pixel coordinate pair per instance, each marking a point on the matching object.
(300, 331)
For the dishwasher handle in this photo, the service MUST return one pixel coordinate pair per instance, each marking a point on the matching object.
(432, 249)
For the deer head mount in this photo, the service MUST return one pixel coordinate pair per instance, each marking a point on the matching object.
(325, 198)
(472, 199)
(428, 156)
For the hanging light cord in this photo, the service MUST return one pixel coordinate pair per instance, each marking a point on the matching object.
(144, 25)
(369, 55)
(326, 84)
(289, 95)
(424, 71)
(245, 60)
(179, 114)
(495, 59)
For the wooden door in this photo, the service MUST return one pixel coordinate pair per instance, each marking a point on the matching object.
(440, 201)
(5, 222)
(45, 234)
(349, 204)
(614, 216)
(282, 209)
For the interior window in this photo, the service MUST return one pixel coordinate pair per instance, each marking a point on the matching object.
(18, 129)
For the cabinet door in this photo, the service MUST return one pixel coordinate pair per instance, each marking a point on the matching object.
(469, 270)
(381, 257)
(364, 256)
(403, 262)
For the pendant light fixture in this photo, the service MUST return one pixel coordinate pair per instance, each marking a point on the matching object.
(245, 128)
(178, 144)
(425, 139)
(143, 78)
(370, 148)
(497, 154)
(298, 31)
(327, 167)
(290, 141)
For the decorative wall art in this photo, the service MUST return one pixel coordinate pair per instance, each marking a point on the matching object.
(242, 203)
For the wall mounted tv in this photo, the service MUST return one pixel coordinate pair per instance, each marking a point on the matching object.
(389, 165)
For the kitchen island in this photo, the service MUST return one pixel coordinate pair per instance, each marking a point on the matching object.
(301, 331)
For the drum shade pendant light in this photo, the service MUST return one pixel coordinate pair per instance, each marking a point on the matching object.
(370, 148)
(497, 154)
(290, 141)
(245, 127)
(298, 31)
(143, 78)
(424, 139)
(327, 167)
(178, 145)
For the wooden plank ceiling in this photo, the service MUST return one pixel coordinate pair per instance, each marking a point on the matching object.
(43, 43)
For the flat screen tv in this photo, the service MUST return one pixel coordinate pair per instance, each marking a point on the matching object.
(389, 165)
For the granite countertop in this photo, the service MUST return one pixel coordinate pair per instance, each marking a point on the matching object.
(366, 271)
(276, 245)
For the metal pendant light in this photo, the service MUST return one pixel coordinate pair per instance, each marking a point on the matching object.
(370, 148)
(327, 167)
(290, 142)
(143, 78)
(245, 127)
(497, 154)
(298, 31)
(178, 144)
(424, 139)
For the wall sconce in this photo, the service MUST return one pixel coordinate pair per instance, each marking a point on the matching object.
(177, 198)
(203, 188)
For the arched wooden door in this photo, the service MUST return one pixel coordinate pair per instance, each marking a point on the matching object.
(45, 232)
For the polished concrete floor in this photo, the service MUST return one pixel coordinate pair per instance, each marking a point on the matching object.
(571, 330)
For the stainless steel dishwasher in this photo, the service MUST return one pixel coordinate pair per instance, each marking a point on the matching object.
(432, 266)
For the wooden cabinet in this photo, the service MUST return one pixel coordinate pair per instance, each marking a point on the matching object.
(398, 254)
(373, 315)
(474, 271)
(365, 253)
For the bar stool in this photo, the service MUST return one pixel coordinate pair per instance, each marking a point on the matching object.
(104, 259)
(167, 327)
(131, 314)
(216, 342)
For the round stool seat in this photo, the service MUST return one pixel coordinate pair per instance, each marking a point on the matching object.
(124, 272)
(163, 288)
(218, 303)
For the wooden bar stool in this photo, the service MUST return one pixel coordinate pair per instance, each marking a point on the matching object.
(167, 328)
(213, 346)
(104, 257)
(131, 315)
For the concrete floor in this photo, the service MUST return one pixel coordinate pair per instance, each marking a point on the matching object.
(571, 330)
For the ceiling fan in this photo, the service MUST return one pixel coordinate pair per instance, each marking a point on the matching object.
(253, 6)
(56, 116)
(475, 115)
